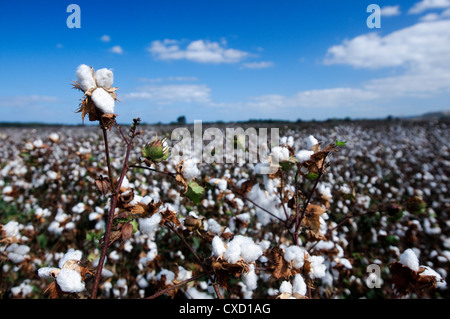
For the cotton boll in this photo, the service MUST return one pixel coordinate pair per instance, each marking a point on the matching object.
(169, 276)
(11, 228)
(311, 141)
(46, 272)
(304, 155)
(85, 79)
(286, 287)
(317, 267)
(409, 259)
(103, 100)
(295, 254)
(71, 254)
(70, 280)
(104, 78)
(149, 225)
(250, 278)
(299, 285)
(218, 248)
(280, 154)
(233, 252)
(190, 170)
(250, 252)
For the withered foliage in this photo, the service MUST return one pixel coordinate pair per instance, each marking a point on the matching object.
(407, 281)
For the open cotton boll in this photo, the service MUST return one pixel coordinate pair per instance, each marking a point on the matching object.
(46, 272)
(279, 154)
(250, 278)
(71, 254)
(409, 259)
(104, 78)
(311, 141)
(85, 79)
(190, 170)
(70, 280)
(103, 100)
(218, 247)
(286, 287)
(11, 228)
(317, 267)
(169, 276)
(295, 254)
(149, 225)
(233, 252)
(299, 285)
(440, 283)
(304, 155)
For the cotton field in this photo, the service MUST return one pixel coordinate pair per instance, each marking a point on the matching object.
(381, 201)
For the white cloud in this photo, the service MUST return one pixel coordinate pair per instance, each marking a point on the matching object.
(423, 45)
(390, 11)
(201, 51)
(105, 38)
(117, 49)
(169, 94)
(257, 65)
(425, 5)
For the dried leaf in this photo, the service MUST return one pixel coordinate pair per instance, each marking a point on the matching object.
(169, 216)
(127, 231)
(145, 210)
(53, 290)
(281, 269)
(407, 281)
(102, 184)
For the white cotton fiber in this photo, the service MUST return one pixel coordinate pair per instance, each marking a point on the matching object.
(296, 255)
(299, 285)
(11, 228)
(45, 272)
(279, 154)
(250, 278)
(103, 100)
(104, 78)
(286, 287)
(70, 280)
(71, 254)
(149, 225)
(190, 170)
(243, 247)
(85, 78)
(233, 252)
(311, 141)
(304, 155)
(409, 259)
(218, 248)
(317, 267)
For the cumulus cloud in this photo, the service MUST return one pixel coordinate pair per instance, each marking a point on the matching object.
(425, 5)
(423, 45)
(201, 51)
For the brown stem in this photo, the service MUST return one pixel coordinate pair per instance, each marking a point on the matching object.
(299, 220)
(181, 283)
(111, 215)
(216, 289)
(153, 169)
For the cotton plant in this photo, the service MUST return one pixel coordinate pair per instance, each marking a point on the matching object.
(409, 277)
(69, 276)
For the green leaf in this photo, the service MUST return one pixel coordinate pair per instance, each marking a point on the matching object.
(312, 176)
(195, 192)
(341, 143)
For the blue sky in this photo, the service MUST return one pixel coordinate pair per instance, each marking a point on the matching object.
(227, 60)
